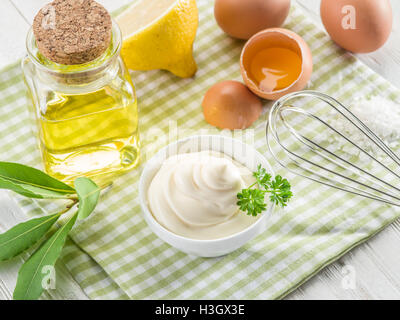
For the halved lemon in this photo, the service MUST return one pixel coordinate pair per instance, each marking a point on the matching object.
(159, 34)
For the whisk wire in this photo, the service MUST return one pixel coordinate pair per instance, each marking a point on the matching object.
(358, 123)
(311, 145)
(337, 185)
(379, 189)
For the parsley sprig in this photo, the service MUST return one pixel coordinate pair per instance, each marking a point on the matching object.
(252, 200)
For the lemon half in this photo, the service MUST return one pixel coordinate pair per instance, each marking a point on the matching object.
(159, 34)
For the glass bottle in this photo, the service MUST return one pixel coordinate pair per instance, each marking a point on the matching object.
(86, 115)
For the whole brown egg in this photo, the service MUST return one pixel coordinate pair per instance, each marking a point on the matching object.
(243, 18)
(231, 105)
(357, 25)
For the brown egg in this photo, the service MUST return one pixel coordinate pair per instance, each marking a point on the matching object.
(357, 25)
(243, 18)
(275, 62)
(230, 105)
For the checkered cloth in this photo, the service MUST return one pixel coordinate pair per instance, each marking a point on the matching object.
(115, 255)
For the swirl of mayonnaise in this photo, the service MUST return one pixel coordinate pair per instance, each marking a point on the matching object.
(195, 194)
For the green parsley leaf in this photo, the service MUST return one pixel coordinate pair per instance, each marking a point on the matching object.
(252, 199)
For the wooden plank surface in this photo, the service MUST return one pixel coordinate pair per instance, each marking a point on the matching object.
(370, 271)
(13, 33)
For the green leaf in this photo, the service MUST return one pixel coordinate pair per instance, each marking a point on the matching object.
(262, 176)
(7, 184)
(24, 235)
(280, 191)
(30, 276)
(251, 201)
(31, 182)
(88, 194)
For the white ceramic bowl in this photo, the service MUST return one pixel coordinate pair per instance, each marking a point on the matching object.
(240, 152)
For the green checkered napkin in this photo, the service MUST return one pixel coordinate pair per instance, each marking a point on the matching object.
(114, 254)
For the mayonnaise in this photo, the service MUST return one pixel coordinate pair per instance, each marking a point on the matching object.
(195, 194)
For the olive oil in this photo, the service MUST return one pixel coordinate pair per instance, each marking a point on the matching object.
(89, 134)
(86, 114)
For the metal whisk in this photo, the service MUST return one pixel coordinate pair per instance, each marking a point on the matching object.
(304, 141)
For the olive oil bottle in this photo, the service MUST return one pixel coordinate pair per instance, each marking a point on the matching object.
(86, 113)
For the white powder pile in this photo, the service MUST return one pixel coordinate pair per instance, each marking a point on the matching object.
(381, 115)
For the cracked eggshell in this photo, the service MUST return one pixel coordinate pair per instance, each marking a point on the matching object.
(281, 38)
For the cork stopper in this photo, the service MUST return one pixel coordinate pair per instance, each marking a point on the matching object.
(72, 31)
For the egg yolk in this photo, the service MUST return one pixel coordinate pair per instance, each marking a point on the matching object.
(275, 68)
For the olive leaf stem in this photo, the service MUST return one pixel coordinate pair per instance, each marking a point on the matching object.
(69, 206)
(35, 184)
(101, 187)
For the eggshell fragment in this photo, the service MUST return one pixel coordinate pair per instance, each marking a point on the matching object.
(276, 38)
(243, 18)
(231, 105)
(357, 25)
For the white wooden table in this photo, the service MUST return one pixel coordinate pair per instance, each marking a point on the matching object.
(371, 271)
